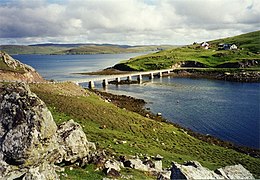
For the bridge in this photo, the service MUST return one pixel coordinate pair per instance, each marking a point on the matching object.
(138, 75)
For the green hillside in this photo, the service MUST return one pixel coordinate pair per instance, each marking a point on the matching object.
(248, 50)
(142, 135)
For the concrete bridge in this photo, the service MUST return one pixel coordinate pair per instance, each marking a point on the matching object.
(138, 75)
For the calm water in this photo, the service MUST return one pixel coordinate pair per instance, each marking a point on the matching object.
(63, 67)
(226, 110)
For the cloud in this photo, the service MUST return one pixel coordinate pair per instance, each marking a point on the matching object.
(125, 21)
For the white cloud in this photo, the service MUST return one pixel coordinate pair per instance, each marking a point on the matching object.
(126, 21)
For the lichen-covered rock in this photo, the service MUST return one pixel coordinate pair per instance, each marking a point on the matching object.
(30, 142)
(235, 172)
(194, 170)
(73, 144)
(44, 171)
(27, 129)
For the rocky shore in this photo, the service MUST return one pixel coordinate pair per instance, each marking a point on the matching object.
(138, 106)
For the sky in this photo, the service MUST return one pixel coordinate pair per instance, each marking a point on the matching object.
(131, 22)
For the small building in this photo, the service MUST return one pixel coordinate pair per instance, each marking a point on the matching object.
(205, 45)
(223, 46)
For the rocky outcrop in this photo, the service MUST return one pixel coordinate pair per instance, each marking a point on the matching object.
(73, 144)
(14, 70)
(194, 170)
(188, 64)
(241, 64)
(30, 141)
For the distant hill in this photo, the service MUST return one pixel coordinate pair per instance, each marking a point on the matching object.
(247, 54)
(50, 48)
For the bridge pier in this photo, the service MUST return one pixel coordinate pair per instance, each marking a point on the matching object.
(139, 78)
(105, 82)
(168, 72)
(118, 79)
(160, 74)
(129, 78)
(151, 76)
(91, 85)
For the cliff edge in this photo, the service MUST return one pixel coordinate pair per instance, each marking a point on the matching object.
(14, 70)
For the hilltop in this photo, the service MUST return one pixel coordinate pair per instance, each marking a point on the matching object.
(73, 49)
(198, 55)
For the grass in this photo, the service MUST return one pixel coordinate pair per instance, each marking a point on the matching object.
(249, 48)
(143, 135)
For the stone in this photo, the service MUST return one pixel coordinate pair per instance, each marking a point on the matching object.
(27, 129)
(164, 175)
(30, 142)
(73, 144)
(109, 164)
(136, 164)
(194, 170)
(43, 172)
(158, 165)
(112, 172)
(235, 172)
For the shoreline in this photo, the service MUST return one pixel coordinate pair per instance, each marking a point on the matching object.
(137, 106)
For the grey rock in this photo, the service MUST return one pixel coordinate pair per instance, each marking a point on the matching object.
(136, 164)
(194, 170)
(42, 172)
(29, 140)
(73, 144)
(164, 175)
(112, 164)
(235, 172)
(27, 129)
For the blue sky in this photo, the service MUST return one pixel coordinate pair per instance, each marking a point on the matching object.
(125, 21)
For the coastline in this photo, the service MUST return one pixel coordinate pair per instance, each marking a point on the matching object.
(137, 106)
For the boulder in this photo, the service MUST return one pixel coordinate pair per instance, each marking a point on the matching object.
(27, 129)
(136, 164)
(73, 144)
(194, 170)
(30, 142)
(235, 172)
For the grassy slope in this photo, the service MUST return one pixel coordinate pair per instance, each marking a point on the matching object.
(143, 135)
(248, 43)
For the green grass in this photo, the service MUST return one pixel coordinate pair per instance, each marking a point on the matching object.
(143, 135)
(249, 45)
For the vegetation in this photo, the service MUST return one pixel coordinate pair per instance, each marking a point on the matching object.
(248, 44)
(143, 135)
